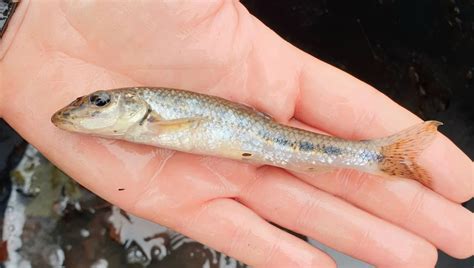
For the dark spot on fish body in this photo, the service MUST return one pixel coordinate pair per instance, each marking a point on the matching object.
(281, 140)
(294, 145)
(246, 154)
(332, 150)
(306, 146)
(121, 189)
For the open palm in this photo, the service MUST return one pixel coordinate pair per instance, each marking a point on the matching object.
(65, 49)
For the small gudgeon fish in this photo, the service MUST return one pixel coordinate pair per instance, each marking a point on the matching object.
(202, 124)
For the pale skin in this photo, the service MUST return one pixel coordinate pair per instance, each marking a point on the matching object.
(61, 50)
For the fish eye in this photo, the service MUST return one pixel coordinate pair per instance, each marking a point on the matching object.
(99, 99)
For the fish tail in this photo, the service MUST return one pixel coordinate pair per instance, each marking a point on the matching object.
(400, 151)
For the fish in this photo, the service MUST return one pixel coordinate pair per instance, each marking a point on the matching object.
(202, 124)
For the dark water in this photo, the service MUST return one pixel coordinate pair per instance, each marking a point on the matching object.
(419, 53)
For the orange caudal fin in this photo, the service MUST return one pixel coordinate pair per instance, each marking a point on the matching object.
(400, 151)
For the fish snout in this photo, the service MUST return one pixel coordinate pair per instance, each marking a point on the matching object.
(60, 117)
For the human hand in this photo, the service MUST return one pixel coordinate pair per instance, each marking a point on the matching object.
(67, 49)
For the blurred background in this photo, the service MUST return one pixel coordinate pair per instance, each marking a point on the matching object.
(419, 53)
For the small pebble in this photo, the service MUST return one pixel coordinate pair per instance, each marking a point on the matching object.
(85, 233)
(100, 263)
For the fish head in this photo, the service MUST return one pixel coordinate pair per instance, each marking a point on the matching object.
(104, 113)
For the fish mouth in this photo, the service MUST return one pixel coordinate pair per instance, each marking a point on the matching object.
(60, 121)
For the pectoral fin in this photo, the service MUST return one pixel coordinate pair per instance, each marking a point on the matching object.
(156, 123)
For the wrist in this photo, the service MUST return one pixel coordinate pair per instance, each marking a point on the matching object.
(12, 17)
(12, 24)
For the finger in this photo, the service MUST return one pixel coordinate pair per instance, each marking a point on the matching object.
(336, 102)
(402, 202)
(406, 204)
(300, 207)
(235, 230)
